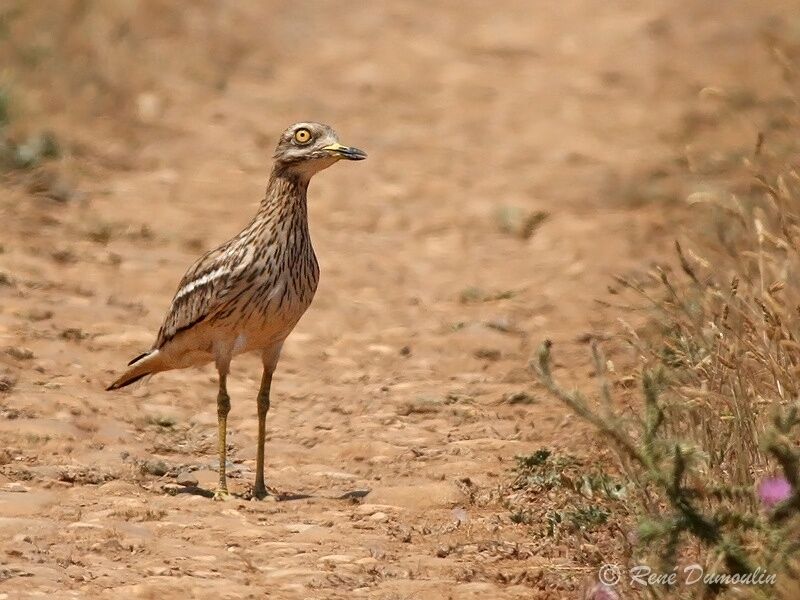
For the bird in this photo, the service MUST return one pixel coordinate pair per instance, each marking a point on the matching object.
(248, 294)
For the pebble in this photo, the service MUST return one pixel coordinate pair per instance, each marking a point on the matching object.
(208, 558)
(155, 467)
(16, 487)
(299, 527)
(7, 383)
(460, 515)
(118, 488)
(380, 517)
(186, 478)
(335, 475)
(381, 349)
(76, 572)
(337, 558)
(519, 397)
(368, 509)
(172, 488)
(82, 525)
(19, 352)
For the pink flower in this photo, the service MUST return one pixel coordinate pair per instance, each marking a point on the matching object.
(601, 592)
(773, 490)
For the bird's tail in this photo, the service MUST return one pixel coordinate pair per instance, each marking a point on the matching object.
(141, 366)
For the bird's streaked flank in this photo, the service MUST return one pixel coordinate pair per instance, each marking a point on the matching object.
(248, 294)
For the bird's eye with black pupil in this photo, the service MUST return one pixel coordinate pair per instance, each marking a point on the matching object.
(302, 136)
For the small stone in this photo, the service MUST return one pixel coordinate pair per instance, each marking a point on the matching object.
(299, 527)
(186, 478)
(491, 354)
(19, 352)
(16, 486)
(368, 509)
(380, 349)
(155, 467)
(22, 537)
(76, 572)
(73, 334)
(337, 558)
(379, 517)
(521, 397)
(83, 525)
(7, 383)
(367, 561)
(206, 558)
(336, 475)
(36, 314)
(49, 484)
(460, 515)
(443, 551)
(173, 489)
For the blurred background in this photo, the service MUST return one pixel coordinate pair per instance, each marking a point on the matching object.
(483, 127)
(519, 157)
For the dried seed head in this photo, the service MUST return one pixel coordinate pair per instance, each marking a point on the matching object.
(776, 287)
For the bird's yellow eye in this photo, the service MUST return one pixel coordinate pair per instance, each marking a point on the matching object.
(302, 136)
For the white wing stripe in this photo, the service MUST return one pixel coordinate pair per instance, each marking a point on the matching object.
(201, 281)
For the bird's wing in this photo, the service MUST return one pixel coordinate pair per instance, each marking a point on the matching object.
(205, 287)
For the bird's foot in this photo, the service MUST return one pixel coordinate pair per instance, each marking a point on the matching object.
(260, 492)
(221, 494)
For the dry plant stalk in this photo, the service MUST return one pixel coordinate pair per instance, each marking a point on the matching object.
(712, 450)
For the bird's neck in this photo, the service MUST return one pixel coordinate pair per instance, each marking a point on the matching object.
(285, 196)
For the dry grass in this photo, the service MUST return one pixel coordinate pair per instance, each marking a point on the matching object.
(74, 55)
(718, 366)
(113, 67)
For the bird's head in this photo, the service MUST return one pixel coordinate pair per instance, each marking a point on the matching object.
(306, 148)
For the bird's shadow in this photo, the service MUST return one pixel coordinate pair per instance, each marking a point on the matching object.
(278, 496)
(288, 496)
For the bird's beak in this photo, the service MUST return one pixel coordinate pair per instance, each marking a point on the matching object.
(347, 152)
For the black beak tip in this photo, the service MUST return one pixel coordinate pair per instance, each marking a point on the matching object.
(354, 154)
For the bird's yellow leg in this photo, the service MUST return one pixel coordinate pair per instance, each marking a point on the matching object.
(260, 490)
(270, 358)
(223, 408)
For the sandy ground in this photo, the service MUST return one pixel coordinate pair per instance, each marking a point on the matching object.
(388, 408)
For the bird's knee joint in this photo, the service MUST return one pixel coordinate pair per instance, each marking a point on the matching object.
(223, 405)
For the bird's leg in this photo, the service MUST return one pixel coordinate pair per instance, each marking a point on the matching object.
(223, 408)
(270, 362)
(260, 490)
